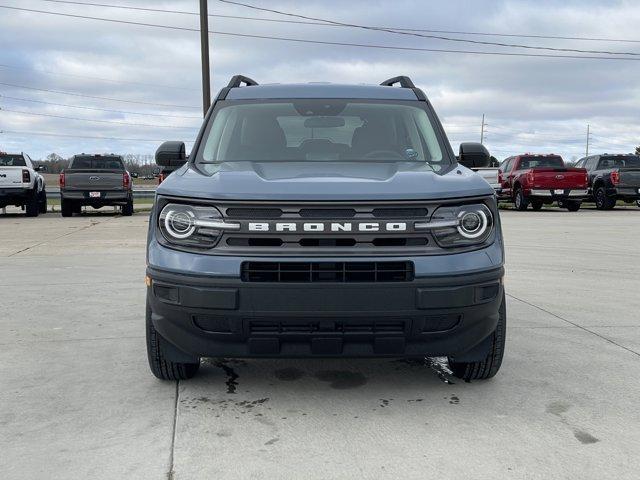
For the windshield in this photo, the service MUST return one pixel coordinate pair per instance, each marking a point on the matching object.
(12, 161)
(322, 130)
(534, 162)
(619, 161)
(97, 163)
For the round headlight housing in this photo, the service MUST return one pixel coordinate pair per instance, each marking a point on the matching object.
(192, 226)
(473, 224)
(462, 225)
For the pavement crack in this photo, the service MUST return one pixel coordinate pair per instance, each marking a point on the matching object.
(171, 472)
(575, 325)
(92, 224)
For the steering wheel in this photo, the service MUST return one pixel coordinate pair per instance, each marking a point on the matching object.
(383, 154)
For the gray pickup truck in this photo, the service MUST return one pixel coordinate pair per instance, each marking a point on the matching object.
(97, 181)
(315, 220)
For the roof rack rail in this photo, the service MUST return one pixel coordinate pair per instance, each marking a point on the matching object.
(403, 80)
(238, 80)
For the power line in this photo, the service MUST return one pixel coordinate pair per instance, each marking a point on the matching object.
(125, 112)
(47, 134)
(126, 82)
(425, 35)
(93, 120)
(74, 94)
(321, 42)
(323, 24)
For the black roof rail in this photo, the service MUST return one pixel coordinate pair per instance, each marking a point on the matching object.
(403, 80)
(238, 80)
(235, 82)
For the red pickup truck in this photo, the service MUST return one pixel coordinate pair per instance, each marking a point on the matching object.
(535, 180)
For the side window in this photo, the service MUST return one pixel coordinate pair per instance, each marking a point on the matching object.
(592, 162)
(506, 165)
(579, 163)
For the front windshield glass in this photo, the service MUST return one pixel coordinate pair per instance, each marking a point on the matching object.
(322, 130)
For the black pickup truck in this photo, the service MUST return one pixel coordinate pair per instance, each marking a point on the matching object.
(97, 181)
(612, 177)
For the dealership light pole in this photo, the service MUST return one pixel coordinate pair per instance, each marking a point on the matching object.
(587, 152)
(204, 48)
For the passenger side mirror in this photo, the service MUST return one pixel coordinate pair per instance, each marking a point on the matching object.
(474, 155)
(41, 168)
(171, 154)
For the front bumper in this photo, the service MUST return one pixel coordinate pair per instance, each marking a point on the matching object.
(225, 317)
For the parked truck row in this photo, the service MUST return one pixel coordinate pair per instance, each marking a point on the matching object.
(541, 179)
(526, 180)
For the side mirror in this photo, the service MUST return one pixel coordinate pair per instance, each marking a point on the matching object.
(474, 155)
(41, 168)
(171, 154)
(134, 175)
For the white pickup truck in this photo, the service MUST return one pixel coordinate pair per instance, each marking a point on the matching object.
(490, 174)
(21, 184)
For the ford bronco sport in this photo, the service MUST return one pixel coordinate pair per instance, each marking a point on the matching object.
(322, 220)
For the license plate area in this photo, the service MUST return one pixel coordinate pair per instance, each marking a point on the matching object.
(559, 192)
(94, 194)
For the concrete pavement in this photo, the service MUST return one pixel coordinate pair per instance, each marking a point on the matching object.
(77, 399)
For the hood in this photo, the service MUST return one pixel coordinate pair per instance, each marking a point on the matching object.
(323, 181)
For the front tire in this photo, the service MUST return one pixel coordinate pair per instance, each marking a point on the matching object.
(573, 206)
(32, 207)
(127, 209)
(161, 367)
(43, 202)
(488, 367)
(519, 201)
(66, 208)
(536, 204)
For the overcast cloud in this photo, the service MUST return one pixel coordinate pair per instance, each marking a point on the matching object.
(531, 104)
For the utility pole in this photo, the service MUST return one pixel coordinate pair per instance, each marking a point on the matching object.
(482, 130)
(204, 48)
(588, 135)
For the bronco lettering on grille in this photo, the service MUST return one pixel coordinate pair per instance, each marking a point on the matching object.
(327, 227)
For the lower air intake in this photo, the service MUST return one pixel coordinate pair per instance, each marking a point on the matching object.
(329, 272)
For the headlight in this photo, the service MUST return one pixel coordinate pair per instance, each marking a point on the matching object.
(460, 226)
(192, 226)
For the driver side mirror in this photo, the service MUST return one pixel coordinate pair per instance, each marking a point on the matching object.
(474, 155)
(171, 154)
(41, 168)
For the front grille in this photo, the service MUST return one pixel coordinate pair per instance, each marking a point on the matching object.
(347, 239)
(333, 326)
(329, 272)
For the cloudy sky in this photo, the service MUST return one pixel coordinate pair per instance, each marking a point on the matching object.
(134, 86)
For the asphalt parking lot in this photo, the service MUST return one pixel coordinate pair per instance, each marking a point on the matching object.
(78, 400)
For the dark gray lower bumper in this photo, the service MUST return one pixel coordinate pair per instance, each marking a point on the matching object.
(221, 317)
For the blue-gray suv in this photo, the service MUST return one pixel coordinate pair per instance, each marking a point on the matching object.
(323, 220)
